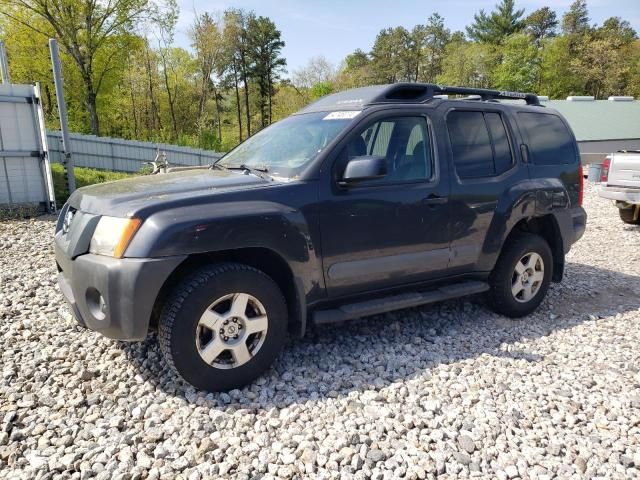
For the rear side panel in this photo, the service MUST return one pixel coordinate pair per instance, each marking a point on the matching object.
(551, 150)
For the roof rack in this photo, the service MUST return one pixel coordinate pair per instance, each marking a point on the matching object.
(423, 92)
(358, 98)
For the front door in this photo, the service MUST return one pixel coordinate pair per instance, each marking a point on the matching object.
(391, 231)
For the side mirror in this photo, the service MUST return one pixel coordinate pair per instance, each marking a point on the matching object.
(363, 168)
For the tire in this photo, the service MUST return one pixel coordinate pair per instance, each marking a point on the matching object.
(516, 293)
(203, 326)
(627, 214)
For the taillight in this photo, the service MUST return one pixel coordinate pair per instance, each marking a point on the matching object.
(581, 192)
(604, 173)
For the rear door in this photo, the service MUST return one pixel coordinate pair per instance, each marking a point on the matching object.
(485, 165)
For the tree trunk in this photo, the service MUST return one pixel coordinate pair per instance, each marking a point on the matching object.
(204, 90)
(270, 98)
(49, 106)
(263, 104)
(235, 81)
(243, 70)
(93, 110)
(155, 113)
(133, 108)
(171, 99)
(215, 93)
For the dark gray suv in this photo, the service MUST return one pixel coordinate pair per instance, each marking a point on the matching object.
(366, 201)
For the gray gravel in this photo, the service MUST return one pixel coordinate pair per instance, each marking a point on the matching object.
(448, 389)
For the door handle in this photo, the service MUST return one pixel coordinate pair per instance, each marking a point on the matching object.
(434, 199)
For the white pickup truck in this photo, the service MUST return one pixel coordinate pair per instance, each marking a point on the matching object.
(620, 181)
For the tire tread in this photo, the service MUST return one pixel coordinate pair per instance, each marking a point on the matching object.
(175, 301)
(503, 268)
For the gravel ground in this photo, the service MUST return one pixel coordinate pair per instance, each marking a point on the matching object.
(449, 390)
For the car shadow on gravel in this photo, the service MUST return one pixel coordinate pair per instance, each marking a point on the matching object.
(372, 353)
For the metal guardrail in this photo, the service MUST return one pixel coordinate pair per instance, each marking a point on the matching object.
(106, 153)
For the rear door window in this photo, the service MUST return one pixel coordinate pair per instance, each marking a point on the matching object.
(470, 142)
(480, 143)
(502, 157)
(548, 138)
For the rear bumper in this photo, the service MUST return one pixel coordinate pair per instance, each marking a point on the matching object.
(114, 297)
(620, 194)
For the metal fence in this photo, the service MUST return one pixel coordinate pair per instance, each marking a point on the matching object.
(25, 176)
(107, 153)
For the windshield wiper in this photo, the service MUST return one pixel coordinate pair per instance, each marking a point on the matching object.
(260, 171)
(216, 165)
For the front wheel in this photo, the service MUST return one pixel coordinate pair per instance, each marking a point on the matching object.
(521, 277)
(223, 326)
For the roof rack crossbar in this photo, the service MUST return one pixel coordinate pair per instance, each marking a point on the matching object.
(488, 94)
(422, 92)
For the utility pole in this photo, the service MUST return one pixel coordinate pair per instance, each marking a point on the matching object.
(67, 163)
(4, 66)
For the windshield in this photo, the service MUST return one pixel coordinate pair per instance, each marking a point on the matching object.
(286, 146)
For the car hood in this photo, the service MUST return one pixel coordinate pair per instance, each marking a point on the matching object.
(133, 196)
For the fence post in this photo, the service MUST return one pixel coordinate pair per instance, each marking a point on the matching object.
(67, 161)
(4, 65)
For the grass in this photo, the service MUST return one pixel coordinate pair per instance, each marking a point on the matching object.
(84, 177)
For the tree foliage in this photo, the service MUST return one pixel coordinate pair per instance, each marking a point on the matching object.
(124, 75)
(576, 20)
(494, 27)
(541, 24)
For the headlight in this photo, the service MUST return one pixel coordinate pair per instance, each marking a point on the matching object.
(112, 235)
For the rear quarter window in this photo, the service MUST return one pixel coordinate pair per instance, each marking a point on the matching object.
(550, 141)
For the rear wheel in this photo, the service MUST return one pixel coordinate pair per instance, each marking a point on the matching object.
(223, 326)
(521, 277)
(628, 215)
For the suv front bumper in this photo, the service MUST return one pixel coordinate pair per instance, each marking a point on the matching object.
(113, 296)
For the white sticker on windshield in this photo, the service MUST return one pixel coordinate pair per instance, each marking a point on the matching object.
(344, 115)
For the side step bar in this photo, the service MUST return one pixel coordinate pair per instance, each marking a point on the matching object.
(397, 302)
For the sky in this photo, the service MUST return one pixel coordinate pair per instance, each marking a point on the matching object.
(335, 28)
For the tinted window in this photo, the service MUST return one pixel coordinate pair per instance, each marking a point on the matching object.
(502, 157)
(472, 154)
(403, 141)
(549, 140)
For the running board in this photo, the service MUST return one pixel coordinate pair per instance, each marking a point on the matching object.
(397, 302)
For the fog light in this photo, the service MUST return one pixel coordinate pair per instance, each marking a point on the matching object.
(96, 303)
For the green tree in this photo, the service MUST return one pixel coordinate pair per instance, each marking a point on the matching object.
(541, 24)
(267, 63)
(520, 65)
(208, 43)
(576, 19)
(558, 80)
(321, 89)
(468, 64)
(436, 37)
(93, 33)
(236, 31)
(617, 30)
(394, 56)
(357, 70)
(494, 27)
